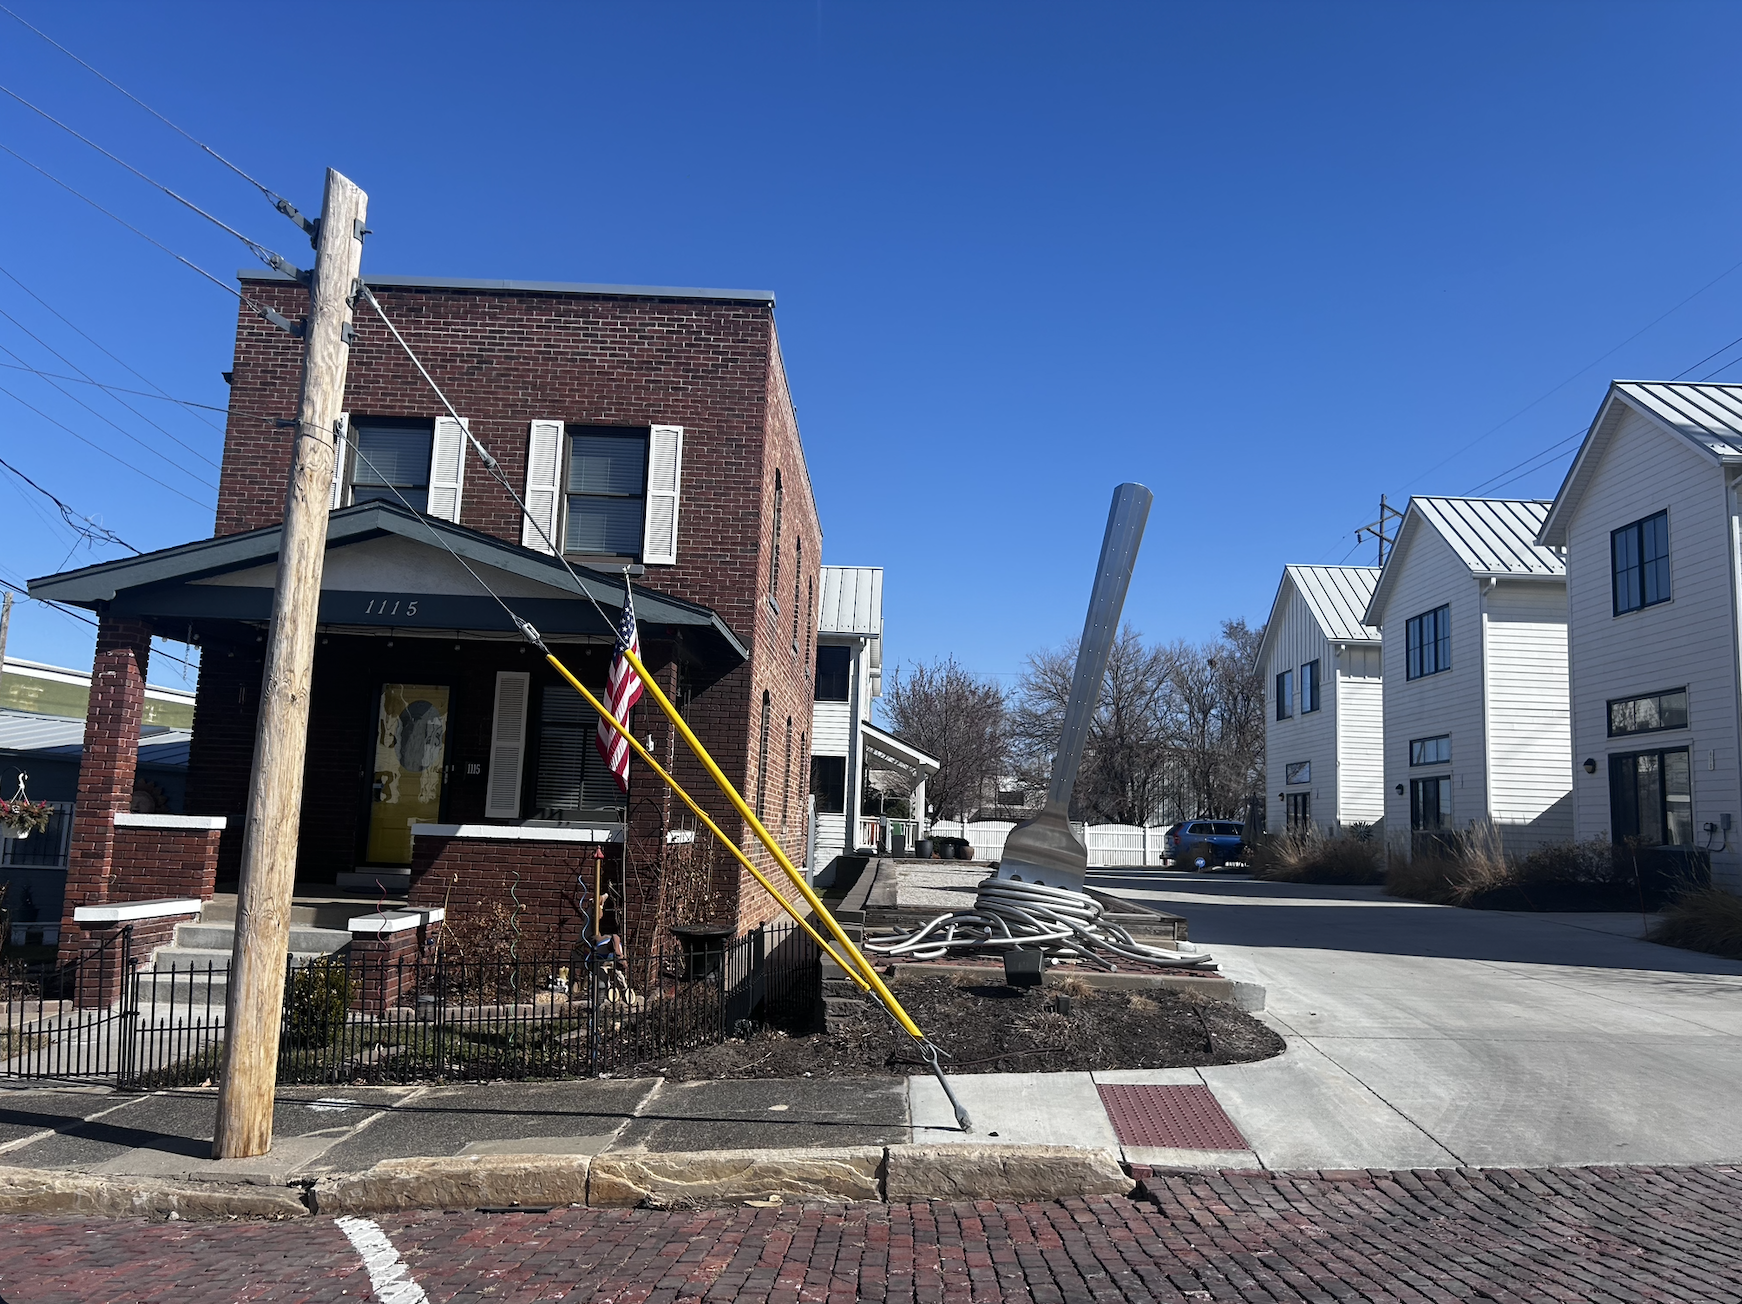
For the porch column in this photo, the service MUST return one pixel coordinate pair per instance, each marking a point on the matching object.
(111, 755)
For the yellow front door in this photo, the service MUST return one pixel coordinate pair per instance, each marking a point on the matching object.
(410, 731)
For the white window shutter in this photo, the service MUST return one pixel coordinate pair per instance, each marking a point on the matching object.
(341, 455)
(447, 468)
(543, 492)
(507, 745)
(664, 476)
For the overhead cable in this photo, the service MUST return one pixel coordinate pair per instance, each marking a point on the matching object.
(270, 194)
(259, 250)
(48, 376)
(105, 452)
(81, 523)
(161, 392)
(113, 389)
(258, 309)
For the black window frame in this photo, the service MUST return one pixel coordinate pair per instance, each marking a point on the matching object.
(829, 784)
(1613, 702)
(1419, 637)
(1640, 576)
(1418, 750)
(1625, 825)
(416, 493)
(833, 683)
(1285, 695)
(1309, 687)
(1442, 791)
(1292, 772)
(1297, 810)
(575, 430)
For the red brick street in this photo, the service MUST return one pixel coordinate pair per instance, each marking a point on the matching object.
(1623, 1234)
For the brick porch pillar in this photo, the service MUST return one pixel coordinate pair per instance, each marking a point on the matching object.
(106, 772)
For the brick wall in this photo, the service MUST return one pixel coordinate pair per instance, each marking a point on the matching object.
(111, 755)
(468, 876)
(164, 862)
(506, 358)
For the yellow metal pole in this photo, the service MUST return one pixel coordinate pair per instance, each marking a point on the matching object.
(733, 847)
(725, 785)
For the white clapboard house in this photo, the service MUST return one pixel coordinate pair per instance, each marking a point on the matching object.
(1474, 616)
(1324, 714)
(1650, 516)
(847, 749)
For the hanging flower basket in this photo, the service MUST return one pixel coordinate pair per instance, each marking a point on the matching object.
(21, 817)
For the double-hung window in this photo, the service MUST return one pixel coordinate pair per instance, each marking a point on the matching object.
(390, 460)
(605, 494)
(1651, 798)
(834, 672)
(1285, 695)
(1428, 643)
(829, 784)
(607, 491)
(1309, 687)
(1640, 557)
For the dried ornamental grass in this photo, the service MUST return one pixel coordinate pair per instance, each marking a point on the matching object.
(1705, 919)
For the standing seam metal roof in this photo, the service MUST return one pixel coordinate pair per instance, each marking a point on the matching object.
(1710, 415)
(1338, 597)
(852, 600)
(1494, 536)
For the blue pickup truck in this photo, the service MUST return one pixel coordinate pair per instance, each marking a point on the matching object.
(1204, 844)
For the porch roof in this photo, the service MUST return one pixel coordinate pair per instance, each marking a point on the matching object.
(884, 751)
(387, 569)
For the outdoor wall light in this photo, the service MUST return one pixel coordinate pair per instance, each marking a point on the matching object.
(1400, 790)
(1590, 765)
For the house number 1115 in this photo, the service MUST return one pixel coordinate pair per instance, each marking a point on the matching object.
(380, 607)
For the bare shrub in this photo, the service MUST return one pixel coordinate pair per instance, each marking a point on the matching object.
(497, 932)
(1457, 869)
(1596, 860)
(1310, 856)
(1705, 919)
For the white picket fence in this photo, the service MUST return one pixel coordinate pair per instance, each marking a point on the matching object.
(1110, 845)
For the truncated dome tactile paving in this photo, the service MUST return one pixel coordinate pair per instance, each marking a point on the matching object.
(1175, 1118)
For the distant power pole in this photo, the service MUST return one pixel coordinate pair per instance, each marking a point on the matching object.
(257, 965)
(1384, 530)
(5, 624)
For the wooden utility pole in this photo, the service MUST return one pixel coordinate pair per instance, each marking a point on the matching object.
(257, 964)
(5, 623)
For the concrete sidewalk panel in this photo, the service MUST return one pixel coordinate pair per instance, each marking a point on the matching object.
(980, 1171)
(628, 1178)
(32, 1190)
(1047, 1109)
(784, 1113)
(1147, 1077)
(456, 1182)
(1300, 1110)
(1171, 1157)
(564, 1117)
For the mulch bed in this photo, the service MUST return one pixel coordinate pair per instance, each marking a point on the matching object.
(989, 1028)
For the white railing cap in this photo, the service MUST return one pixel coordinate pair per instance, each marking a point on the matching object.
(396, 921)
(130, 820)
(521, 832)
(121, 912)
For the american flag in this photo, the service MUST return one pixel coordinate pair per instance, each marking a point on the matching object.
(622, 691)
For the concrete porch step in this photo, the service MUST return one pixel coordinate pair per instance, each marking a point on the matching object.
(205, 936)
(307, 910)
(199, 958)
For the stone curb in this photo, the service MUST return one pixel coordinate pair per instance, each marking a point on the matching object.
(615, 1180)
(37, 1190)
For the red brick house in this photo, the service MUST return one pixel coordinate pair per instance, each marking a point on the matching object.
(649, 429)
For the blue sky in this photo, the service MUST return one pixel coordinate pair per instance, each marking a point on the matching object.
(1271, 260)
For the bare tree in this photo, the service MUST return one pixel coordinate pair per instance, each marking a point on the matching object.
(943, 709)
(1179, 729)
(1123, 777)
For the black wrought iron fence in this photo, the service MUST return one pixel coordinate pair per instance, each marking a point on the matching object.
(360, 1019)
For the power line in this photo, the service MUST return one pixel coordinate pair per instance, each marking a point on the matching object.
(277, 200)
(113, 389)
(90, 380)
(83, 524)
(161, 392)
(259, 250)
(105, 452)
(266, 313)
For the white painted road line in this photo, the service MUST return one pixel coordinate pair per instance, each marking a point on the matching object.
(389, 1278)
